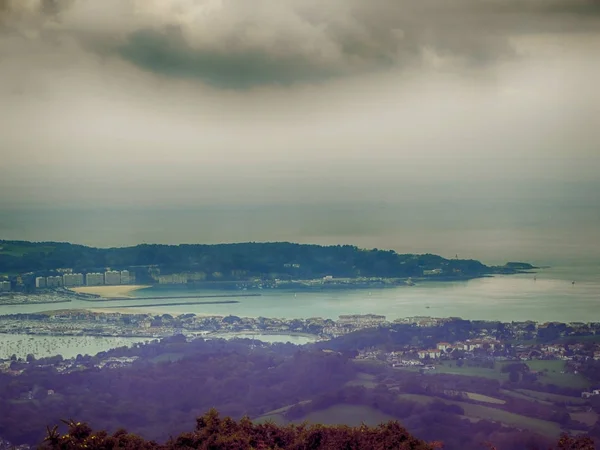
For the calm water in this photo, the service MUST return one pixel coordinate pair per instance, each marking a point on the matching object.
(67, 346)
(552, 297)
(71, 346)
(271, 338)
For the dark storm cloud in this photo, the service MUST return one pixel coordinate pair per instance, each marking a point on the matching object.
(167, 53)
(232, 43)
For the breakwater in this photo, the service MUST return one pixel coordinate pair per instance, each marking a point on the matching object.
(169, 297)
(150, 305)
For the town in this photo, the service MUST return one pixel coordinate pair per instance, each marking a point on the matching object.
(483, 341)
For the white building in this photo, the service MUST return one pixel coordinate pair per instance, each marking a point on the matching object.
(124, 276)
(40, 282)
(73, 279)
(443, 346)
(112, 277)
(94, 279)
(54, 281)
(4, 286)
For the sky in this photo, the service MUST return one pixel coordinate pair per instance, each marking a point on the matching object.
(389, 123)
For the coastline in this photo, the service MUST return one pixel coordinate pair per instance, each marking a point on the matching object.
(45, 302)
(153, 311)
(123, 290)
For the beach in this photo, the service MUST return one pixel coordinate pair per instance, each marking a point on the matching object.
(124, 290)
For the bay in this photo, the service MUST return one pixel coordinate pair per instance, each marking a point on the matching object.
(552, 296)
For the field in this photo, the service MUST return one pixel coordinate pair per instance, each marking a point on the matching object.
(552, 376)
(554, 398)
(352, 415)
(363, 379)
(473, 411)
(484, 398)
(452, 369)
(587, 417)
(522, 396)
(341, 414)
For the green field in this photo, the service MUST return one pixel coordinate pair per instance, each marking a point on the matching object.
(474, 411)
(587, 417)
(514, 420)
(452, 369)
(521, 396)
(341, 414)
(352, 415)
(554, 375)
(418, 398)
(363, 379)
(484, 398)
(554, 398)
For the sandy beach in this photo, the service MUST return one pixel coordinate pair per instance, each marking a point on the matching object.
(110, 291)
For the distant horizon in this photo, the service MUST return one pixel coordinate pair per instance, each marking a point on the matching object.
(537, 265)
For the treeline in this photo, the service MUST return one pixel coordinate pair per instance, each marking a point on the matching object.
(216, 433)
(235, 261)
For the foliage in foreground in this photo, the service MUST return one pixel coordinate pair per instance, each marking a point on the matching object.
(216, 433)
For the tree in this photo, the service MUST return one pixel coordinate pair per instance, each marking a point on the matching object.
(513, 376)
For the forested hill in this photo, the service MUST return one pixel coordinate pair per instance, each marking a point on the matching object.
(241, 261)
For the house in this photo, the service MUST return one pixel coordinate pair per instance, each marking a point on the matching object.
(590, 394)
(433, 354)
(443, 346)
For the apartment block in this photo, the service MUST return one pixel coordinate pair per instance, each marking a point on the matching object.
(94, 279)
(125, 279)
(72, 279)
(112, 277)
(54, 281)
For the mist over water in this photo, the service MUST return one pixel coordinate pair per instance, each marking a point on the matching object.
(557, 232)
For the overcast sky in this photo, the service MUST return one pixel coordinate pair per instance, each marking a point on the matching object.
(156, 103)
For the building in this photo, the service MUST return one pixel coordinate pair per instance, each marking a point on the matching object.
(433, 354)
(54, 282)
(94, 279)
(176, 278)
(443, 346)
(40, 282)
(112, 277)
(432, 272)
(72, 279)
(4, 286)
(124, 276)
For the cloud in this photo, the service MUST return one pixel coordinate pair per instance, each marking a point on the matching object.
(234, 44)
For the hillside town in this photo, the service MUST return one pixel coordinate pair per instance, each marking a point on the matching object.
(516, 341)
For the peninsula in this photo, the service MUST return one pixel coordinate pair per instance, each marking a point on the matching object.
(29, 266)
